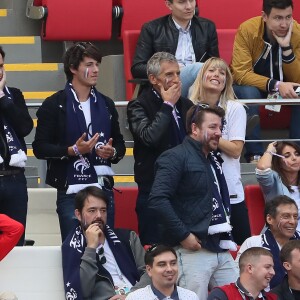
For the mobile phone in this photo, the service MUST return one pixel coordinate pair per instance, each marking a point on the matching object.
(297, 90)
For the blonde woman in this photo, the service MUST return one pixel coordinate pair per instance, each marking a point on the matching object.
(213, 86)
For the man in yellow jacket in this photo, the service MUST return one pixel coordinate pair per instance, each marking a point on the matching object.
(266, 61)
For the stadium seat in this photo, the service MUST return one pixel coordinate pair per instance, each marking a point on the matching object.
(81, 20)
(130, 38)
(237, 11)
(274, 120)
(226, 40)
(256, 205)
(125, 200)
(138, 12)
(33, 273)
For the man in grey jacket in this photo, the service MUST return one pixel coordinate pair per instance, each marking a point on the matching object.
(99, 263)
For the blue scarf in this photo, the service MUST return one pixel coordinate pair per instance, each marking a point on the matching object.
(220, 221)
(81, 171)
(72, 251)
(18, 156)
(269, 243)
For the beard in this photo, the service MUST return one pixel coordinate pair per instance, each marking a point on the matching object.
(99, 222)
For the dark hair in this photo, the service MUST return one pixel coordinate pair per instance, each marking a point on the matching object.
(155, 250)
(2, 52)
(82, 196)
(75, 55)
(252, 254)
(281, 4)
(285, 253)
(197, 112)
(271, 206)
(277, 162)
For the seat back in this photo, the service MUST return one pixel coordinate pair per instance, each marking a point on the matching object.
(80, 20)
(226, 40)
(237, 11)
(33, 273)
(256, 205)
(130, 38)
(125, 200)
(274, 120)
(138, 12)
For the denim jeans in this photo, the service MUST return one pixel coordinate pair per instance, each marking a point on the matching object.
(147, 220)
(188, 76)
(14, 199)
(65, 208)
(202, 270)
(250, 92)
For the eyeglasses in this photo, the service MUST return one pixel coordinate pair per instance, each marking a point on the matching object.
(100, 256)
(83, 45)
(197, 109)
(152, 248)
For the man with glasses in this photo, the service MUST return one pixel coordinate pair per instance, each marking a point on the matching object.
(99, 262)
(78, 134)
(157, 123)
(266, 63)
(190, 197)
(162, 266)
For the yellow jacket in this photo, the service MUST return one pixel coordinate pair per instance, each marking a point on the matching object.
(250, 47)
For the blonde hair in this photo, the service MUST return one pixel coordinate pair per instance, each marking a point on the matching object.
(198, 92)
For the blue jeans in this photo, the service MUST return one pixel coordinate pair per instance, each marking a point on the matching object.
(65, 208)
(188, 76)
(14, 199)
(202, 270)
(250, 92)
(147, 220)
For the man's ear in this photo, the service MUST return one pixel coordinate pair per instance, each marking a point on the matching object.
(73, 70)
(287, 266)
(148, 269)
(269, 219)
(264, 16)
(168, 4)
(78, 214)
(152, 79)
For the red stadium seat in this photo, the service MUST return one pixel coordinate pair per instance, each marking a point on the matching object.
(274, 120)
(130, 38)
(226, 40)
(237, 11)
(138, 12)
(80, 20)
(125, 216)
(256, 205)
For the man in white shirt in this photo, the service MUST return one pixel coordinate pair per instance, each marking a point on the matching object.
(281, 215)
(162, 266)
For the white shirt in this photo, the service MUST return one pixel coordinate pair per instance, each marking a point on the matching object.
(234, 130)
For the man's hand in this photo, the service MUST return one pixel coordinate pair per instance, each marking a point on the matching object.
(93, 235)
(172, 94)
(3, 80)
(86, 146)
(118, 297)
(106, 151)
(286, 90)
(284, 41)
(191, 243)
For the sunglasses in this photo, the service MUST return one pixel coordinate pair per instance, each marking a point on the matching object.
(100, 256)
(152, 248)
(199, 107)
(83, 45)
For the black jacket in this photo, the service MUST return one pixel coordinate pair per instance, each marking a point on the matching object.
(16, 114)
(150, 124)
(162, 35)
(283, 291)
(50, 137)
(181, 194)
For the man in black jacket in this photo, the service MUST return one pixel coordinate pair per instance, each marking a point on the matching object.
(78, 133)
(289, 289)
(157, 122)
(15, 124)
(190, 38)
(190, 197)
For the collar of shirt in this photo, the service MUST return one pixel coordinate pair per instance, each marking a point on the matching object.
(161, 296)
(182, 29)
(244, 293)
